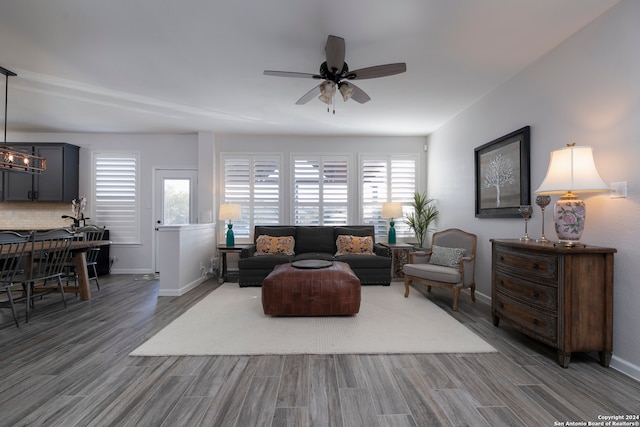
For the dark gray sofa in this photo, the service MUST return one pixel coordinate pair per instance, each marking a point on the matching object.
(315, 242)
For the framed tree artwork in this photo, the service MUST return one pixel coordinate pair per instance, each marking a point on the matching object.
(502, 175)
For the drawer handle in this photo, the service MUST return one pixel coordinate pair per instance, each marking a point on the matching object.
(536, 295)
(536, 266)
(501, 258)
(535, 322)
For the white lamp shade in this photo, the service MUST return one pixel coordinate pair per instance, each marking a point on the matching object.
(229, 211)
(392, 210)
(572, 169)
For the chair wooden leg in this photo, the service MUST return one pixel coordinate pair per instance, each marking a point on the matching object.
(428, 288)
(407, 280)
(473, 292)
(456, 294)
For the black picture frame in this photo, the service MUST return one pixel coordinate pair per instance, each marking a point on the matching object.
(502, 175)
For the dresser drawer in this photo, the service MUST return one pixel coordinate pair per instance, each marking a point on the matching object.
(539, 324)
(526, 291)
(534, 265)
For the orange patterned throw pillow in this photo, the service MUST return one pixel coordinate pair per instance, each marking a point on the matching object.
(354, 245)
(268, 245)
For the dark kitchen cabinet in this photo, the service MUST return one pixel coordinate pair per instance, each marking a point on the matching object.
(58, 183)
(103, 263)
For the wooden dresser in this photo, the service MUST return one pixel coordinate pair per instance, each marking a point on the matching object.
(561, 296)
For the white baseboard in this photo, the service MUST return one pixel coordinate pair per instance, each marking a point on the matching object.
(483, 298)
(627, 368)
(130, 271)
(183, 289)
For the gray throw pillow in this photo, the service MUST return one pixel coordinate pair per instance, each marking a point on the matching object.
(447, 257)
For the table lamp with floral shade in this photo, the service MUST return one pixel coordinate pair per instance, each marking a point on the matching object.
(571, 170)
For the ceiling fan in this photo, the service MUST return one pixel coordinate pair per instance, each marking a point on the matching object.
(335, 74)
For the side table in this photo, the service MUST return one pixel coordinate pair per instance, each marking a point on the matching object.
(399, 257)
(224, 250)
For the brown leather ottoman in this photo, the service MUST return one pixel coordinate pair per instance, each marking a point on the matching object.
(329, 291)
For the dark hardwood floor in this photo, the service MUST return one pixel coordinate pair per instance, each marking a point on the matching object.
(70, 367)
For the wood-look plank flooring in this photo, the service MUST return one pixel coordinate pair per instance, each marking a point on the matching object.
(70, 367)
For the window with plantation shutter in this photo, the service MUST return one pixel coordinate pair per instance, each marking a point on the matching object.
(320, 190)
(390, 178)
(253, 182)
(116, 195)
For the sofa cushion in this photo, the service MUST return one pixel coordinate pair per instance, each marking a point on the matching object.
(274, 230)
(314, 255)
(447, 257)
(366, 261)
(263, 262)
(347, 244)
(315, 239)
(269, 245)
(361, 231)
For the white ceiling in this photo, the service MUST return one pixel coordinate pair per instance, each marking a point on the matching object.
(196, 65)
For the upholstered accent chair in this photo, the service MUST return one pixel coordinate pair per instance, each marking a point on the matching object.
(449, 263)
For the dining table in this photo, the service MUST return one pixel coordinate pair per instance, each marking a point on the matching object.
(78, 251)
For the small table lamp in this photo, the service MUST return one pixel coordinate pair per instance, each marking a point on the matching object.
(229, 211)
(571, 169)
(391, 210)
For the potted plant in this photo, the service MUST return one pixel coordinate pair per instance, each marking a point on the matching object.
(423, 215)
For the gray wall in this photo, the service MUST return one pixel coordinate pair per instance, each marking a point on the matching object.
(586, 91)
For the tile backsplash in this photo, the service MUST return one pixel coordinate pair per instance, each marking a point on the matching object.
(33, 216)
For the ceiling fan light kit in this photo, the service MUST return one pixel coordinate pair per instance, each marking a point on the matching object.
(335, 72)
(327, 90)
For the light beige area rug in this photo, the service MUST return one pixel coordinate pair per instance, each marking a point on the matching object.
(230, 321)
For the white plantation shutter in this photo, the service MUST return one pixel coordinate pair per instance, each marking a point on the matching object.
(116, 198)
(253, 182)
(306, 192)
(375, 176)
(403, 180)
(266, 191)
(335, 192)
(389, 178)
(320, 190)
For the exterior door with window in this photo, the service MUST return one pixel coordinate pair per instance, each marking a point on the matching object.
(175, 199)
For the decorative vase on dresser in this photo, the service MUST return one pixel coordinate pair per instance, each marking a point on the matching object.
(561, 296)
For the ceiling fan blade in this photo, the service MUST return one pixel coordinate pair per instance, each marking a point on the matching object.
(358, 94)
(291, 74)
(335, 53)
(309, 96)
(377, 71)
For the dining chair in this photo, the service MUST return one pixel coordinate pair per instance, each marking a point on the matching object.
(49, 255)
(88, 233)
(12, 247)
